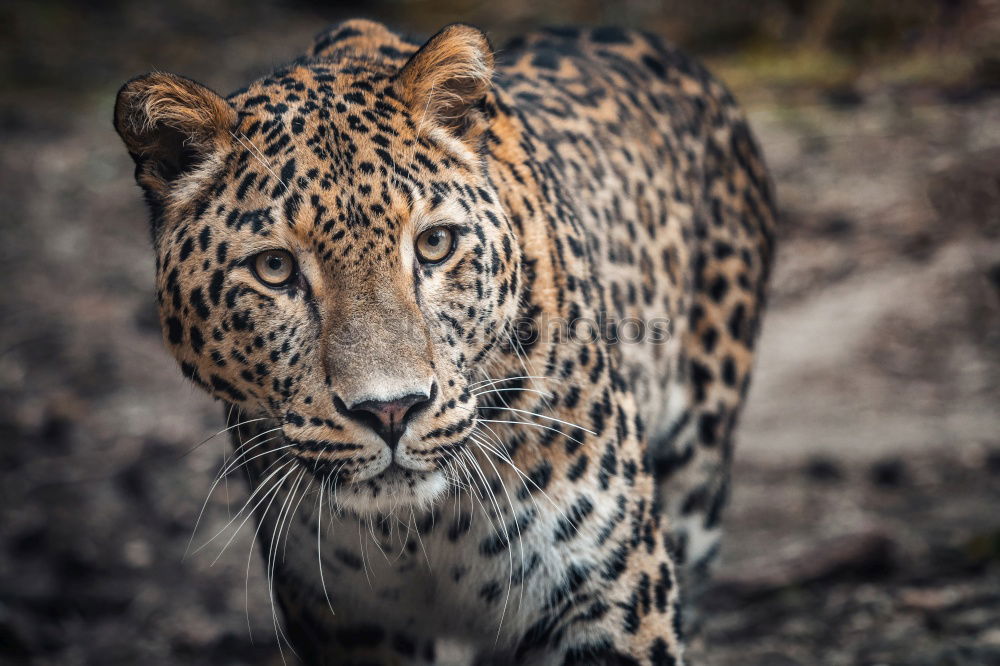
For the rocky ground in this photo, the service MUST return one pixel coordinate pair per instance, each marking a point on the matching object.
(863, 527)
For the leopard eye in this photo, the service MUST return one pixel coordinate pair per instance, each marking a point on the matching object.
(435, 244)
(274, 268)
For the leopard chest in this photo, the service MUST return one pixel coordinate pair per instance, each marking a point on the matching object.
(468, 570)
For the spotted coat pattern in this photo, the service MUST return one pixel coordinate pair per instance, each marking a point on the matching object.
(581, 354)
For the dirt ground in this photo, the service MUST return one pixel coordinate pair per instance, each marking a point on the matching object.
(864, 526)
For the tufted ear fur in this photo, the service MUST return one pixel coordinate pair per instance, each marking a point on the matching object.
(444, 82)
(170, 124)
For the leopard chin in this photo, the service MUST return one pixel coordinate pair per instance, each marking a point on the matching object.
(396, 491)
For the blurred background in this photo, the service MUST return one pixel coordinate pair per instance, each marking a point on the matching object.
(864, 526)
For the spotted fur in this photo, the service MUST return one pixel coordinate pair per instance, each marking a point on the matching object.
(556, 485)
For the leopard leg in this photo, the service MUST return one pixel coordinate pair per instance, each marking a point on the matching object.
(621, 609)
(641, 625)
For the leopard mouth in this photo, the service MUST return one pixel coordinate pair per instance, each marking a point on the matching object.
(356, 462)
(366, 479)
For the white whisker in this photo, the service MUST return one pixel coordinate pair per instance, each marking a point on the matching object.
(543, 416)
(251, 147)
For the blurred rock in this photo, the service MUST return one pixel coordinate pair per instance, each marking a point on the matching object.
(823, 468)
(889, 473)
(968, 192)
(861, 555)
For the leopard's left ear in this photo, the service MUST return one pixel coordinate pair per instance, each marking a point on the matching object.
(445, 82)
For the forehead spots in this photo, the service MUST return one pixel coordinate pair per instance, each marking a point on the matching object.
(331, 152)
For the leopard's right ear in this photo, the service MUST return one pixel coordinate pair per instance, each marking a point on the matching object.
(170, 125)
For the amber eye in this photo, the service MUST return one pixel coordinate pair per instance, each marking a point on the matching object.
(435, 244)
(274, 267)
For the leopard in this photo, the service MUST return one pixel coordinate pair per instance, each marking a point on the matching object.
(486, 321)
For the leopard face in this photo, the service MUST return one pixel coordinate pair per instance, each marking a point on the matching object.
(332, 258)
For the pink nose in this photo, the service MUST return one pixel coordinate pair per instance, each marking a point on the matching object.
(389, 418)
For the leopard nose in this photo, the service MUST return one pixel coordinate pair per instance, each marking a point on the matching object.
(389, 418)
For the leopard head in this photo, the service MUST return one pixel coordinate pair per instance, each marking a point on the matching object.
(330, 252)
